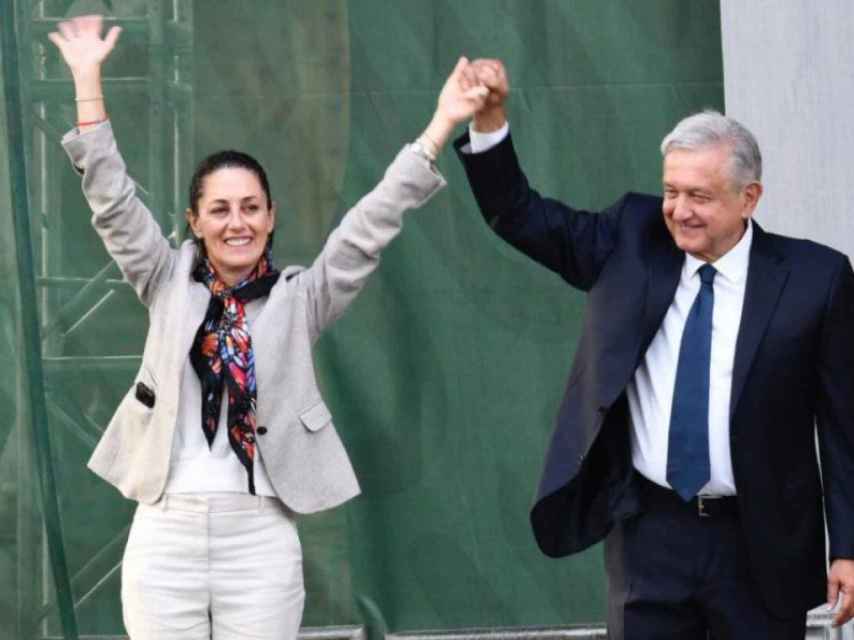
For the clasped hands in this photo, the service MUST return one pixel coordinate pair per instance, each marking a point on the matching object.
(475, 89)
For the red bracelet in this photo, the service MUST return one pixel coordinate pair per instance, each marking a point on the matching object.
(84, 124)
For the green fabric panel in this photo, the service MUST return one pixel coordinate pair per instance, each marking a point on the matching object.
(445, 376)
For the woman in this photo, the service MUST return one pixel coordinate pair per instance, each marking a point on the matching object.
(223, 436)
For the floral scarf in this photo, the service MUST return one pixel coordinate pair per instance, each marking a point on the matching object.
(222, 354)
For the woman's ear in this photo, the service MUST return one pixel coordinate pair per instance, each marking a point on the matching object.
(272, 224)
(192, 220)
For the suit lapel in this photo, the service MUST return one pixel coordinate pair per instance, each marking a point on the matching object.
(766, 277)
(662, 279)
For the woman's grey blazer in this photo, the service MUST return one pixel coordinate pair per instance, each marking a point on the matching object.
(302, 452)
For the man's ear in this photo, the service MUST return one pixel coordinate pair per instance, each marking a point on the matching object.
(752, 193)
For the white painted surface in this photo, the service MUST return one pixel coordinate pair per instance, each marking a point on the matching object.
(789, 77)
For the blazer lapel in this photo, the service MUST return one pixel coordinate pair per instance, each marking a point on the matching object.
(264, 348)
(198, 298)
(766, 276)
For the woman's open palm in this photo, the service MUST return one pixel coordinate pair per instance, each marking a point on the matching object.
(80, 43)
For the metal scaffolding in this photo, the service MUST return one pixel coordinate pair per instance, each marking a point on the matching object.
(66, 302)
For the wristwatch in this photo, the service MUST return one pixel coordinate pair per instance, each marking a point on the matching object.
(422, 151)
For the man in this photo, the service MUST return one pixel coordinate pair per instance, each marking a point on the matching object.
(710, 351)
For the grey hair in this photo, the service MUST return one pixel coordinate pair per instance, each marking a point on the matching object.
(710, 128)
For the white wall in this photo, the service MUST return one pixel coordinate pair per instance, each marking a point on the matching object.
(789, 77)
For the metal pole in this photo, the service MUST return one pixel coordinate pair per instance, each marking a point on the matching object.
(31, 346)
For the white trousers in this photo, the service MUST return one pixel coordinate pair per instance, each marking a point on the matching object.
(220, 566)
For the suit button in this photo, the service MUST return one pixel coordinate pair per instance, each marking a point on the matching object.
(261, 431)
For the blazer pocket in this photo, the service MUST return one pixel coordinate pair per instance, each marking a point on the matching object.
(145, 390)
(145, 394)
(316, 417)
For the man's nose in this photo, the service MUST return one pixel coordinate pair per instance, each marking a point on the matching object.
(681, 209)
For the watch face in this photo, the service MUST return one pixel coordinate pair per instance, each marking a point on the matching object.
(419, 148)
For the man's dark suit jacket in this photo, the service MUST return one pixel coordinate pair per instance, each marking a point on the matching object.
(793, 370)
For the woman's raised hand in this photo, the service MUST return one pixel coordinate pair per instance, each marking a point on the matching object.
(463, 94)
(81, 45)
(461, 97)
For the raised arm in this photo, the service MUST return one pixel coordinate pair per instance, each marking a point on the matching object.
(352, 251)
(573, 243)
(129, 232)
(84, 51)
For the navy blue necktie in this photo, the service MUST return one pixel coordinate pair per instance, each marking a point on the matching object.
(688, 467)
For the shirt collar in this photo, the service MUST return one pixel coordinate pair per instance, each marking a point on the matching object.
(733, 264)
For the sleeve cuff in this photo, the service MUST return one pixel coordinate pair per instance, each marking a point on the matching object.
(77, 144)
(480, 141)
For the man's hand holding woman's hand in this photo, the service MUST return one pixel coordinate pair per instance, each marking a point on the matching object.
(474, 90)
(491, 74)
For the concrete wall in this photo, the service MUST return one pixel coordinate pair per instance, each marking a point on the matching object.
(789, 77)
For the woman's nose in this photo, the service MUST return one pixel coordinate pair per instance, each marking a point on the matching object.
(235, 219)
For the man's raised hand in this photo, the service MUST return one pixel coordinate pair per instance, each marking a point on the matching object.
(491, 74)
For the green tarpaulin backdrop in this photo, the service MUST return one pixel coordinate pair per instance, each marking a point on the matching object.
(445, 375)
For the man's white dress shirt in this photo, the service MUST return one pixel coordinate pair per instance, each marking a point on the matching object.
(650, 392)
